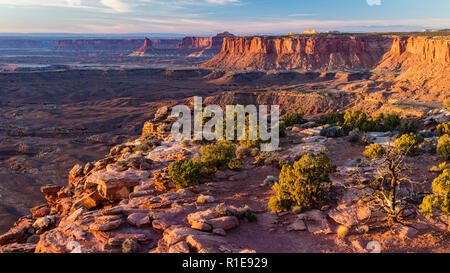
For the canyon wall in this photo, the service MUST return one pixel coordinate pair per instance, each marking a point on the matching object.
(406, 52)
(165, 43)
(27, 44)
(343, 53)
(99, 45)
(204, 43)
(329, 53)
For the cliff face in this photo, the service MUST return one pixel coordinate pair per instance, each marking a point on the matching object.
(337, 53)
(204, 43)
(301, 53)
(165, 43)
(409, 51)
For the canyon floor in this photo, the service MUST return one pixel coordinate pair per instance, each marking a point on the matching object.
(52, 120)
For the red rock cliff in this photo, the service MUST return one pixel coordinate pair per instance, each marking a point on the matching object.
(328, 53)
(301, 53)
(409, 51)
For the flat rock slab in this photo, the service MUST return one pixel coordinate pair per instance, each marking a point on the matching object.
(116, 186)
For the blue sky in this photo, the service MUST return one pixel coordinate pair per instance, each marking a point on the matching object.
(212, 16)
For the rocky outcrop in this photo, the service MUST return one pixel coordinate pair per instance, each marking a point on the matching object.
(146, 49)
(307, 53)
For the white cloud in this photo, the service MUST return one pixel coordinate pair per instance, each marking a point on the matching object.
(117, 5)
(374, 2)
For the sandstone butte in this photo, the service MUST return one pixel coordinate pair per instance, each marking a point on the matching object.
(146, 49)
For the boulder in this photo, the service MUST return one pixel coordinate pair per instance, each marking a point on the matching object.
(201, 216)
(18, 248)
(76, 172)
(106, 223)
(116, 186)
(88, 201)
(13, 235)
(298, 225)
(40, 211)
(180, 247)
(201, 225)
(113, 211)
(225, 223)
(44, 222)
(72, 217)
(205, 243)
(139, 219)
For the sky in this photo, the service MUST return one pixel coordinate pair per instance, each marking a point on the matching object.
(203, 17)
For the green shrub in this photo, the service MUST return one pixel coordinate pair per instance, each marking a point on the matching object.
(439, 200)
(447, 104)
(408, 143)
(392, 122)
(443, 129)
(293, 118)
(443, 147)
(305, 184)
(408, 126)
(372, 125)
(439, 169)
(332, 118)
(374, 151)
(236, 164)
(277, 205)
(185, 173)
(354, 119)
(218, 155)
(241, 213)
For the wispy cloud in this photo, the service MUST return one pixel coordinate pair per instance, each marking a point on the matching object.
(117, 5)
(374, 2)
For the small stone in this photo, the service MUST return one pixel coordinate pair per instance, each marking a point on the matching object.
(113, 211)
(44, 222)
(201, 225)
(298, 225)
(219, 231)
(180, 247)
